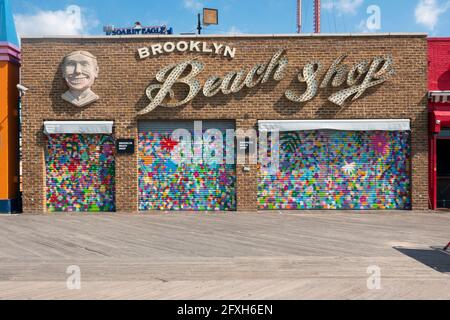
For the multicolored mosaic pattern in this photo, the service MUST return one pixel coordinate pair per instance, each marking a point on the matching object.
(80, 173)
(339, 170)
(166, 185)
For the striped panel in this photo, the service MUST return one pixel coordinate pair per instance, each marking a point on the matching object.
(166, 184)
(343, 170)
(80, 173)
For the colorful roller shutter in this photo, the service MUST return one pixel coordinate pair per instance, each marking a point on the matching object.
(80, 173)
(167, 184)
(329, 169)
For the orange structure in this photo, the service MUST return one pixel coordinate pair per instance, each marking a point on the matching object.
(9, 114)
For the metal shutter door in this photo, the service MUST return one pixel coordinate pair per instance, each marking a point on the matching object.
(343, 170)
(165, 185)
(80, 173)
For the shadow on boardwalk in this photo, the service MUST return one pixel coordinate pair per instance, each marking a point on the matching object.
(434, 257)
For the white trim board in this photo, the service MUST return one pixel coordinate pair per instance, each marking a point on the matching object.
(78, 127)
(340, 125)
(230, 36)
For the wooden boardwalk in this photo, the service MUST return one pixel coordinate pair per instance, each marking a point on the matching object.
(226, 256)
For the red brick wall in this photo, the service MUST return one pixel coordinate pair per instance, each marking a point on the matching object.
(439, 64)
(124, 78)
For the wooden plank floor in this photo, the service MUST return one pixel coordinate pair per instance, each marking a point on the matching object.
(320, 255)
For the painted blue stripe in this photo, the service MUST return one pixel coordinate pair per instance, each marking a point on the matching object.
(9, 206)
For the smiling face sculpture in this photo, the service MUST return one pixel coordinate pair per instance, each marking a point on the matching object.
(80, 69)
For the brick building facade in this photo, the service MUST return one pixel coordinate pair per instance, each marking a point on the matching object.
(124, 77)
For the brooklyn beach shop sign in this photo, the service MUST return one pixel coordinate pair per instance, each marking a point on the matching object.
(357, 78)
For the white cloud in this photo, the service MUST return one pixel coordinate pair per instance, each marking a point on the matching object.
(234, 30)
(428, 12)
(342, 6)
(69, 22)
(193, 4)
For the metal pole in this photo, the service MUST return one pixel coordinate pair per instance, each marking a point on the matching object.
(19, 153)
(199, 26)
(316, 16)
(299, 16)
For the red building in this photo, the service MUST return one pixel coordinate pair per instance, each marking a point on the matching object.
(439, 108)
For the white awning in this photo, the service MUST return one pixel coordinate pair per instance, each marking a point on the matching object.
(78, 127)
(439, 96)
(341, 125)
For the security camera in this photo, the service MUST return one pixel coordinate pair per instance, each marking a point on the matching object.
(22, 89)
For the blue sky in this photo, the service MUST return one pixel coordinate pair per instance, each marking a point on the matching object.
(52, 17)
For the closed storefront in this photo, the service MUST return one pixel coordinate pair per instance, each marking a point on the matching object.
(167, 123)
(339, 169)
(176, 174)
(80, 172)
(443, 169)
(439, 120)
